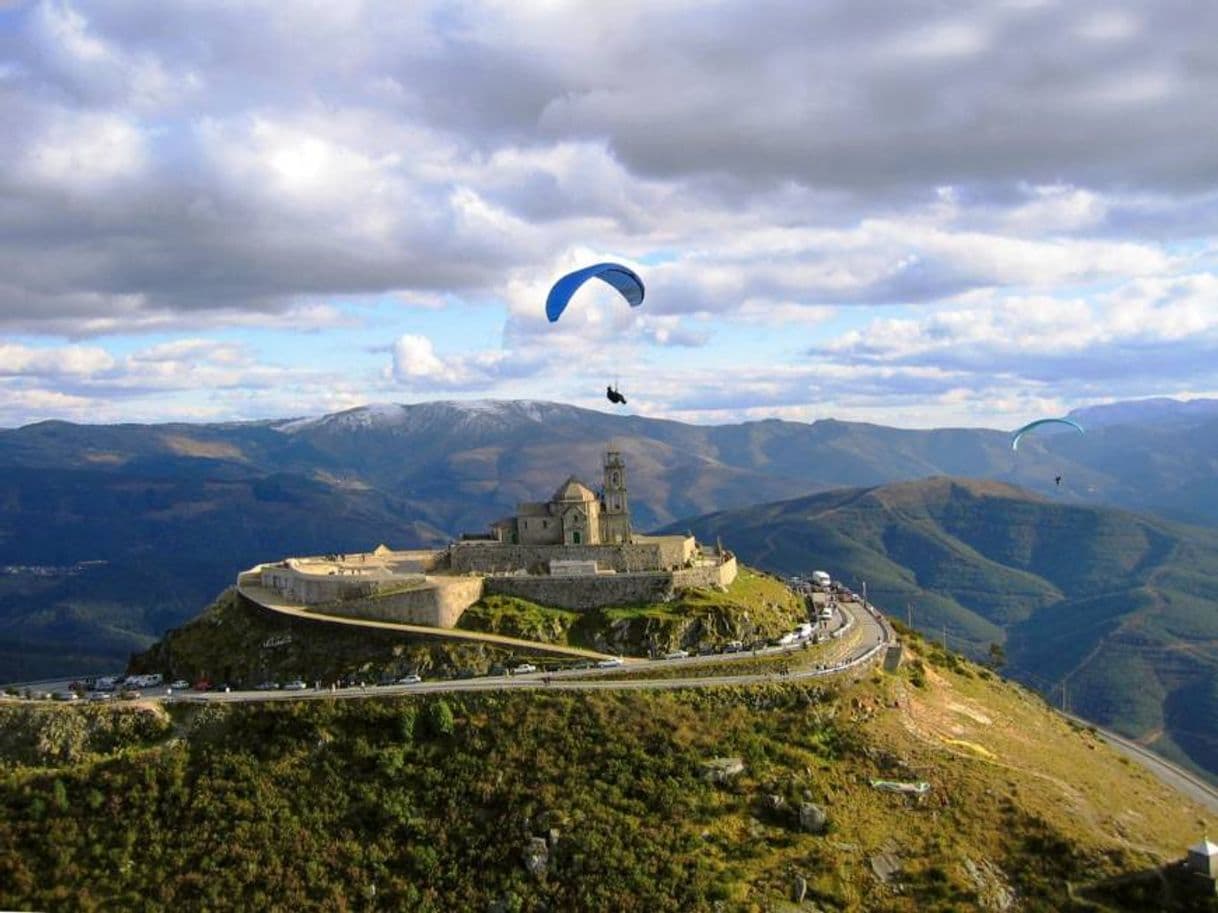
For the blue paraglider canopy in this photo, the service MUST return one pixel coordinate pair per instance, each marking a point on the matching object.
(622, 278)
(1043, 421)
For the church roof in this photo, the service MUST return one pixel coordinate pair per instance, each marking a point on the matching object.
(574, 490)
(1204, 848)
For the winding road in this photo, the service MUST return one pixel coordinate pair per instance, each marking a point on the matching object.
(857, 637)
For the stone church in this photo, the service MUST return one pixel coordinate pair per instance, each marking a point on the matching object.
(575, 515)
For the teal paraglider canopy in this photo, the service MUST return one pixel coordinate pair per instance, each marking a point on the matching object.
(622, 278)
(1043, 421)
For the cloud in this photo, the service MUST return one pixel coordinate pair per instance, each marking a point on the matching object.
(1012, 191)
(416, 366)
(1147, 330)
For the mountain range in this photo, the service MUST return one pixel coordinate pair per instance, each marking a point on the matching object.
(175, 510)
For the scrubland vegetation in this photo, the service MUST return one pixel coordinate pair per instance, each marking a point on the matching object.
(570, 801)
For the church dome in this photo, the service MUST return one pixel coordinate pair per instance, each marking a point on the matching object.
(573, 490)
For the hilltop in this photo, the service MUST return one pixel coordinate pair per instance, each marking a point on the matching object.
(176, 510)
(583, 801)
(1118, 607)
(235, 642)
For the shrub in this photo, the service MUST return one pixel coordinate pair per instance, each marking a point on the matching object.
(440, 718)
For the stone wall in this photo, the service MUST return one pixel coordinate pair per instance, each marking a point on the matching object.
(706, 576)
(438, 604)
(311, 589)
(651, 554)
(583, 593)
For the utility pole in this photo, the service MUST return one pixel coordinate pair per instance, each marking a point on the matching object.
(1065, 703)
(945, 638)
(909, 615)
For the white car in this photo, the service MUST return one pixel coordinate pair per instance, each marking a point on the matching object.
(100, 696)
(677, 654)
(612, 663)
(179, 684)
(296, 685)
(267, 686)
(409, 680)
(524, 669)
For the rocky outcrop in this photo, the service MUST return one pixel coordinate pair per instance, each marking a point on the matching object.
(536, 856)
(722, 770)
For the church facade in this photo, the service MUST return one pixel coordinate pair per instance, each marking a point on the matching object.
(575, 514)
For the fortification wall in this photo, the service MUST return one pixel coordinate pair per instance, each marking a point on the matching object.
(312, 589)
(584, 593)
(438, 604)
(707, 575)
(652, 554)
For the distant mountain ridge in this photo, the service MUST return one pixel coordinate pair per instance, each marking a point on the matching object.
(1117, 610)
(177, 509)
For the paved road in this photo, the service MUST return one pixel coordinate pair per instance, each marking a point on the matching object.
(868, 636)
(835, 631)
(865, 644)
(1172, 774)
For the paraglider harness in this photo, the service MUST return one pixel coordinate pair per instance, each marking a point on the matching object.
(614, 396)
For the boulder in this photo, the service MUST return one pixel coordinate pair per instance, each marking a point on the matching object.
(536, 856)
(721, 770)
(812, 818)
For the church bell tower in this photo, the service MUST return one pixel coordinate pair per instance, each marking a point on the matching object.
(616, 512)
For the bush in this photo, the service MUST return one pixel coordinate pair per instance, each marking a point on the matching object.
(440, 720)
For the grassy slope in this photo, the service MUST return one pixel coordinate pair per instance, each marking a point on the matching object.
(756, 605)
(312, 805)
(1119, 607)
(235, 643)
(241, 645)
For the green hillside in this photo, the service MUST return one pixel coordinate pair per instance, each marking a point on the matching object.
(1119, 610)
(588, 801)
(239, 644)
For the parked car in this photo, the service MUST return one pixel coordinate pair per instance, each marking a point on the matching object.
(179, 683)
(201, 684)
(100, 696)
(409, 680)
(677, 654)
(129, 694)
(734, 646)
(295, 685)
(524, 669)
(65, 695)
(267, 686)
(612, 663)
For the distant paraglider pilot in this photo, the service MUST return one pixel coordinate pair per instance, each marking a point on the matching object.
(1058, 480)
(614, 396)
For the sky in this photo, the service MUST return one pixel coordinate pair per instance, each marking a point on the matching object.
(910, 213)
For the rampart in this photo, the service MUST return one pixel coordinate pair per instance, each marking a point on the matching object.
(645, 554)
(584, 593)
(338, 578)
(439, 604)
(707, 575)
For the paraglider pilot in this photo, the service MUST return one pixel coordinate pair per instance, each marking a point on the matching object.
(614, 396)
